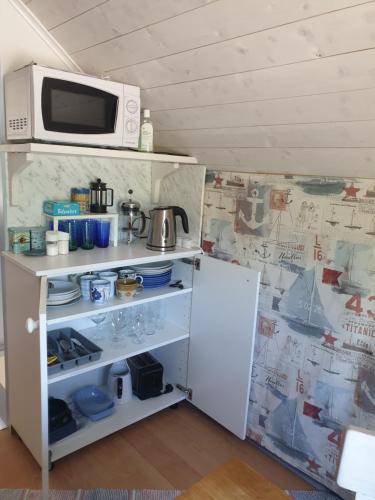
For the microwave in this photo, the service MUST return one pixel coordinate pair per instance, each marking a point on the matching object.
(50, 105)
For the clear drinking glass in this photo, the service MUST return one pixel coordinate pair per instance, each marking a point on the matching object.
(118, 322)
(98, 332)
(150, 326)
(159, 315)
(136, 323)
(139, 325)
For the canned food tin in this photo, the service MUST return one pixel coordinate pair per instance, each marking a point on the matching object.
(38, 237)
(82, 197)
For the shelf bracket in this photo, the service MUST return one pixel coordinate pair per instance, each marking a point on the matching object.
(158, 173)
(16, 163)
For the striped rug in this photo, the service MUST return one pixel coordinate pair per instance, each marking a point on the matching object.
(101, 494)
(98, 494)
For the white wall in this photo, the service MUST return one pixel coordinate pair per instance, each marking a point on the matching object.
(23, 39)
(246, 85)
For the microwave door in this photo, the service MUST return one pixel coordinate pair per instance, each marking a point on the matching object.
(73, 112)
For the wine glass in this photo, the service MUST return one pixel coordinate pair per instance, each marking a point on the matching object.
(118, 324)
(98, 332)
(138, 326)
(150, 326)
(159, 316)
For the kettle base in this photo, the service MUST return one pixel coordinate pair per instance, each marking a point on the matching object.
(161, 249)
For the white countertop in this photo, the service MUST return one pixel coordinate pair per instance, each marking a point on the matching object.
(96, 259)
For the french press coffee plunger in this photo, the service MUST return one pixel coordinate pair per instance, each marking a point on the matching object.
(99, 197)
(134, 219)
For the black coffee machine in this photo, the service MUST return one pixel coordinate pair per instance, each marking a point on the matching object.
(100, 196)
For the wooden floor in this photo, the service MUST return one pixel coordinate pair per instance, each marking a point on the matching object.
(172, 449)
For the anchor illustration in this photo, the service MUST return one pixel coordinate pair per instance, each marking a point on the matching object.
(264, 254)
(254, 202)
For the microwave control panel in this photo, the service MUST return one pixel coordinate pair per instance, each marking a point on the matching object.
(132, 116)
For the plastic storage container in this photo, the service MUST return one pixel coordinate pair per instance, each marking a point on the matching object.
(93, 402)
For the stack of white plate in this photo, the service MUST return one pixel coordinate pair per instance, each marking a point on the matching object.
(62, 292)
(155, 274)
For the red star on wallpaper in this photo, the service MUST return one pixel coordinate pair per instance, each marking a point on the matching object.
(329, 339)
(218, 181)
(351, 191)
(313, 466)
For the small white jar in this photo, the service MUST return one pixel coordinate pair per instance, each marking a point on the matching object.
(63, 243)
(52, 238)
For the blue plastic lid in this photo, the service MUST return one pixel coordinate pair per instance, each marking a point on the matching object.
(80, 190)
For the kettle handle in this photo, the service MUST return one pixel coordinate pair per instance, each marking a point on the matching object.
(143, 224)
(181, 212)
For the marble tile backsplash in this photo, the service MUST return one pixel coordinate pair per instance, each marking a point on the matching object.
(51, 177)
(184, 187)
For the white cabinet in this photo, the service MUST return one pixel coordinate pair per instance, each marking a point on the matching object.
(205, 348)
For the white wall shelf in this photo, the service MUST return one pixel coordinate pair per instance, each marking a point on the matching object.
(21, 155)
(113, 352)
(124, 415)
(86, 308)
(126, 154)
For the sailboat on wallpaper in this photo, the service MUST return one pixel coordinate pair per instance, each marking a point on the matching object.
(302, 308)
(346, 282)
(285, 430)
(322, 185)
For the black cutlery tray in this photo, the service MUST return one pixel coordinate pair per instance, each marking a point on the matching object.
(69, 333)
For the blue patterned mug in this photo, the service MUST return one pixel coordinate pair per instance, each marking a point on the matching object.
(100, 291)
(129, 274)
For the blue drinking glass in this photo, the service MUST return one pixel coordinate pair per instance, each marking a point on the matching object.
(79, 232)
(61, 225)
(88, 234)
(71, 226)
(102, 230)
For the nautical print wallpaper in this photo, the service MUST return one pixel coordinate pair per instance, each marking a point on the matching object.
(313, 240)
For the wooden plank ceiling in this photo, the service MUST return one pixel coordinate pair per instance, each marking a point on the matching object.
(247, 85)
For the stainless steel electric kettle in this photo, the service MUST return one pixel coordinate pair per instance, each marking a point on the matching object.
(162, 228)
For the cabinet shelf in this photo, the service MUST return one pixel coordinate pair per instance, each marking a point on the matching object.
(84, 309)
(116, 352)
(97, 259)
(124, 415)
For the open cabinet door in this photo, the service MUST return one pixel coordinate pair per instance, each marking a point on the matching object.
(26, 356)
(223, 320)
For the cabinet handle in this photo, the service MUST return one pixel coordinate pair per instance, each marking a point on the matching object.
(31, 325)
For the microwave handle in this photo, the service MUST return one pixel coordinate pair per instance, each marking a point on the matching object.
(110, 204)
